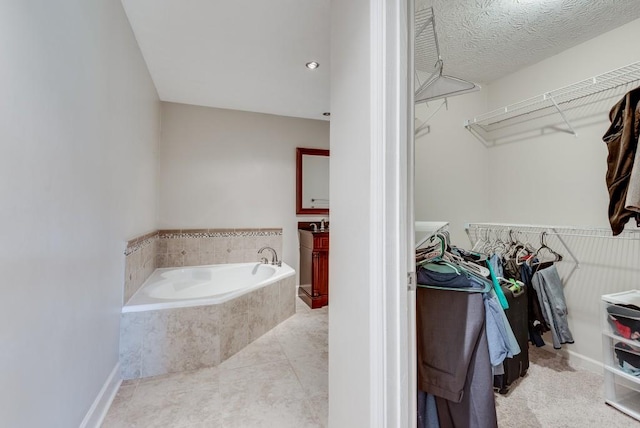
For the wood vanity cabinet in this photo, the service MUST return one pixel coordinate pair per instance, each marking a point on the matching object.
(314, 268)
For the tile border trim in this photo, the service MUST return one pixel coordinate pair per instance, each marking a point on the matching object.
(147, 239)
(140, 242)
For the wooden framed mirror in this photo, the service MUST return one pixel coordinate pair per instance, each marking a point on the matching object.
(312, 181)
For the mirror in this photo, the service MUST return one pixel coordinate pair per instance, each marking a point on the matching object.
(312, 181)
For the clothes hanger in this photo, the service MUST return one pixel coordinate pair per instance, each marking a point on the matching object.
(434, 250)
(467, 265)
(499, 245)
(481, 243)
(543, 246)
(514, 245)
(445, 261)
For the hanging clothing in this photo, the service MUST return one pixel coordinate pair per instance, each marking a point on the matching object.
(623, 161)
(548, 285)
(460, 279)
(537, 324)
(502, 342)
(453, 357)
(427, 411)
(495, 269)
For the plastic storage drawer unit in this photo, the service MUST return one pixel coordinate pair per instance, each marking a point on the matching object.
(621, 350)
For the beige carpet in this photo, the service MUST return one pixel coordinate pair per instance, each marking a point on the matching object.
(553, 394)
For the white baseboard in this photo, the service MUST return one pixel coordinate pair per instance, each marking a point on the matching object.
(100, 406)
(578, 361)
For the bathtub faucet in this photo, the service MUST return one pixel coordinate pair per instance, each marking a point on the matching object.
(274, 255)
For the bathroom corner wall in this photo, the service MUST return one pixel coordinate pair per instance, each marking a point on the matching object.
(230, 168)
(193, 247)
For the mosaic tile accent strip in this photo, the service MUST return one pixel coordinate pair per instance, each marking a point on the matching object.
(217, 233)
(140, 242)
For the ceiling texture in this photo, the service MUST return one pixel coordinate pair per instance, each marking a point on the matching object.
(482, 40)
(251, 56)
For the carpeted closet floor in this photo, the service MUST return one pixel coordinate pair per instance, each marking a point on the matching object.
(553, 394)
(281, 381)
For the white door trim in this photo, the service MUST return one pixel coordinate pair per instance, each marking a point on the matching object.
(389, 336)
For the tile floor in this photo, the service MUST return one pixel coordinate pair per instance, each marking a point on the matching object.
(280, 380)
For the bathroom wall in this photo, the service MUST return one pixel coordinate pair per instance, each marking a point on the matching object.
(232, 169)
(555, 178)
(79, 125)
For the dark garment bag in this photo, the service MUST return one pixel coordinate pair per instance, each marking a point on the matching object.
(518, 315)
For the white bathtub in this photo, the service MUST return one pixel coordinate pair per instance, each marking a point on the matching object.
(203, 285)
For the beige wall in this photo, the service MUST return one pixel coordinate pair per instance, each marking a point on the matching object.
(451, 174)
(79, 127)
(231, 169)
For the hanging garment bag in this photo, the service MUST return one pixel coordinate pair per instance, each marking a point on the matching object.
(517, 315)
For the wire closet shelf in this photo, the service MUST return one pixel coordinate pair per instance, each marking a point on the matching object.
(565, 236)
(491, 127)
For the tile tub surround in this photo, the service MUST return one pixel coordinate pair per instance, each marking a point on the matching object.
(193, 247)
(140, 262)
(174, 340)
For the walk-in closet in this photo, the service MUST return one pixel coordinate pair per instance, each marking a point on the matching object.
(527, 213)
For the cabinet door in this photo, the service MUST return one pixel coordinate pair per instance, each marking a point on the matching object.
(320, 273)
(306, 270)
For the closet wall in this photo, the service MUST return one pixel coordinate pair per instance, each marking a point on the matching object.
(554, 179)
(451, 174)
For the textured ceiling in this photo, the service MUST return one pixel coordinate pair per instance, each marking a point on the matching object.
(482, 40)
(250, 55)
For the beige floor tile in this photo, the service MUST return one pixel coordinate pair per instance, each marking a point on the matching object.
(297, 344)
(320, 407)
(263, 350)
(312, 372)
(283, 413)
(301, 306)
(257, 387)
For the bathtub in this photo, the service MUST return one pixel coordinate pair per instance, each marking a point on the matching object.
(190, 318)
(203, 285)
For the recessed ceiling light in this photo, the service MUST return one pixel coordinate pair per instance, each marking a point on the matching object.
(312, 65)
(326, 113)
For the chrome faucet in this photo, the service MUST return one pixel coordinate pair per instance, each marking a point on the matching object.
(274, 256)
(315, 227)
